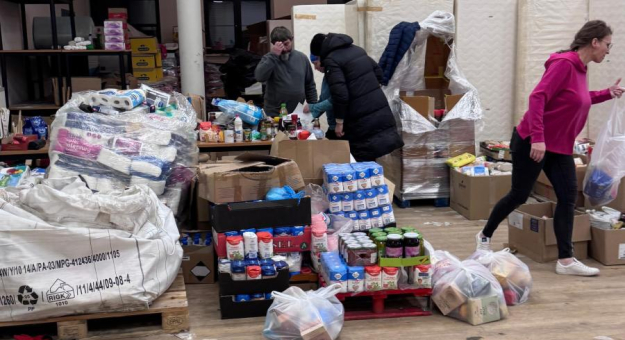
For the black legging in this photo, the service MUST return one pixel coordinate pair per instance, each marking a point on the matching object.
(560, 169)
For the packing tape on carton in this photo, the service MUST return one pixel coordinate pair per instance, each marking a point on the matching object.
(370, 9)
(306, 16)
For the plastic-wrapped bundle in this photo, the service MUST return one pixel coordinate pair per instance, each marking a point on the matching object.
(250, 114)
(466, 290)
(295, 313)
(418, 169)
(113, 149)
(513, 275)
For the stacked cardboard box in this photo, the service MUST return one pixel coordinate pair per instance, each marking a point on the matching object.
(147, 61)
(116, 32)
(544, 188)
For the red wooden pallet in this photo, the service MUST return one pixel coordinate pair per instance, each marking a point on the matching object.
(378, 309)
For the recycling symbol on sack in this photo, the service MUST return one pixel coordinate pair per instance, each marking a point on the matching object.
(26, 296)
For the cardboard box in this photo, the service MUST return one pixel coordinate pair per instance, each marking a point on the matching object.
(80, 84)
(544, 188)
(203, 216)
(436, 55)
(310, 156)
(424, 105)
(149, 74)
(608, 246)
(530, 231)
(144, 61)
(159, 60)
(474, 197)
(118, 14)
(283, 8)
(199, 105)
(501, 155)
(247, 180)
(198, 264)
(144, 45)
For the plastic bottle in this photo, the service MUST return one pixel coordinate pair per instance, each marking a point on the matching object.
(317, 129)
(238, 129)
(283, 111)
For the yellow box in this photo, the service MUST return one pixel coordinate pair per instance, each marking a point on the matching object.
(144, 45)
(159, 60)
(148, 74)
(142, 61)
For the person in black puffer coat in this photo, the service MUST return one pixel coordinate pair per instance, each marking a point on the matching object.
(361, 109)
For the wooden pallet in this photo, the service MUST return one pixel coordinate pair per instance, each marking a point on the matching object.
(172, 306)
(441, 202)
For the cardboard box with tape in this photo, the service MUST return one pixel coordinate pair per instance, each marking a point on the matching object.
(198, 261)
(608, 246)
(530, 232)
(248, 179)
(475, 196)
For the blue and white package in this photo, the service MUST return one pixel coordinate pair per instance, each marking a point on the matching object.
(129, 99)
(242, 298)
(363, 175)
(372, 198)
(360, 200)
(364, 220)
(383, 195)
(333, 180)
(335, 203)
(355, 279)
(353, 215)
(103, 97)
(376, 218)
(388, 217)
(347, 202)
(250, 114)
(377, 174)
(36, 126)
(297, 231)
(350, 183)
(265, 230)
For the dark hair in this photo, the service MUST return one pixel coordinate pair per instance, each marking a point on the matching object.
(281, 33)
(593, 29)
(316, 42)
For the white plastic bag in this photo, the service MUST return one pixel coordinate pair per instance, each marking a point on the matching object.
(466, 290)
(513, 275)
(318, 198)
(607, 163)
(52, 264)
(295, 314)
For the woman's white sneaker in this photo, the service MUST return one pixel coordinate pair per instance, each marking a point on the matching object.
(483, 242)
(576, 268)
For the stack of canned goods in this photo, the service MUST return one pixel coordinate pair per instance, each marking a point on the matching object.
(358, 249)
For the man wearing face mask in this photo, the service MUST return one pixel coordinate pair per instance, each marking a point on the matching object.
(286, 73)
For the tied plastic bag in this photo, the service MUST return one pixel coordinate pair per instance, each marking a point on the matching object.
(295, 314)
(284, 193)
(466, 290)
(318, 198)
(513, 275)
(607, 165)
(249, 114)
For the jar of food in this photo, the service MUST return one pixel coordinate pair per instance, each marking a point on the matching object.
(412, 245)
(394, 246)
(371, 253)
(380, 241)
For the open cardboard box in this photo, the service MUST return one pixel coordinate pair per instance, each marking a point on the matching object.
(248, 179)
(530, 231)
(475, 196)
(608, 246)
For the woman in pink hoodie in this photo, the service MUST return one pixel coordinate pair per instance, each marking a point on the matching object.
(544, 139)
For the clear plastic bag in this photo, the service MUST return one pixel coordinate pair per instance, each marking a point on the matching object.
(113, 149)
(466, 290)
(607, 163)
(513, 275)
(338, 225)
(249, 114)
(318, 198)
(295, 314)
